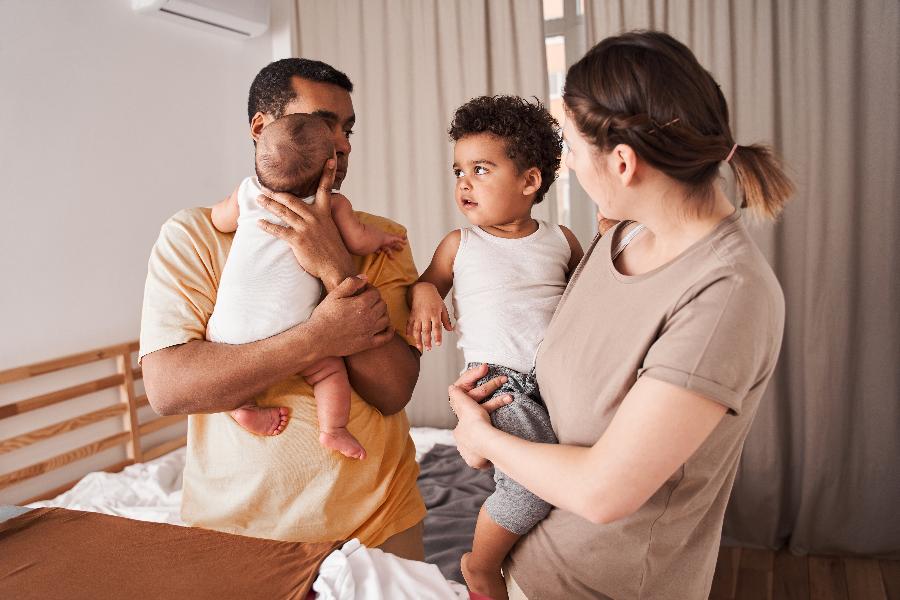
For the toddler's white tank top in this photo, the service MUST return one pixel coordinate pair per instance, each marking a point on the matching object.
(505, 291)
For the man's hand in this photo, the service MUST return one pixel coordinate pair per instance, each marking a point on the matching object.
(352, 318)
(427, 314)
(310, 230)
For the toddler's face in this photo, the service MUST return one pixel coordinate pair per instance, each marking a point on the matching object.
(489, 187)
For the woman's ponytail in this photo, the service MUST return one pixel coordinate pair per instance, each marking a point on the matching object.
(763, 184)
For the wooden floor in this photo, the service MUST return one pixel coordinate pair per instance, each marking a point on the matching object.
(743, 573)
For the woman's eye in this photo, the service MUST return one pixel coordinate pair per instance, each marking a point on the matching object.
(479, 170)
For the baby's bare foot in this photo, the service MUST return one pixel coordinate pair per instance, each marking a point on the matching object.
(487, 583)
(343, 441)
(268, 420)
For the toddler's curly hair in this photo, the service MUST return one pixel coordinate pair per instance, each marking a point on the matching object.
(531, 134)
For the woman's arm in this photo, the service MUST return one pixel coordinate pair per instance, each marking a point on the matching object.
(656, 429)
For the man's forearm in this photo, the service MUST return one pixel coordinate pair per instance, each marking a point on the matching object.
(206, 377)
(385, 376)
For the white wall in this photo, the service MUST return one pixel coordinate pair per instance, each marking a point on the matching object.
(110, 122)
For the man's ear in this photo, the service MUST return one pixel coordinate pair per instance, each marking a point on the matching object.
(257, 123)
(533, 181)
(625, 163)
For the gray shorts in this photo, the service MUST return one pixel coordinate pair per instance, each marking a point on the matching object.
(512, 506)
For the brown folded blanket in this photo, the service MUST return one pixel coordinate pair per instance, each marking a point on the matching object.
(60, 553)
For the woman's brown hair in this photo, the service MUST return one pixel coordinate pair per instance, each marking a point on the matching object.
(647, 90)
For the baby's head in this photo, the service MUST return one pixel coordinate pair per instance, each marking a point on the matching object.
(291, 153)
(506, 156)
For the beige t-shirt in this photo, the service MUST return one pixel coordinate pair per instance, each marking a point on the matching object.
(286, 487)
(710, 321)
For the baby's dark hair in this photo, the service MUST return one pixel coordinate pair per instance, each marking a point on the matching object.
(530, 132)
(292, 152)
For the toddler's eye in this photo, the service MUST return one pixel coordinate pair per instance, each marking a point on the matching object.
(457, 173)
(482, 171)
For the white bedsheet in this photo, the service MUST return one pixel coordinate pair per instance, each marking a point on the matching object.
(151, 491)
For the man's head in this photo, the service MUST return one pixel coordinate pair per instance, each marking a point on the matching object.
(291, 152)
(300, 85)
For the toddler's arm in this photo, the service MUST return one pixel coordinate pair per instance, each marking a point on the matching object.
(359, 238)
(575, 247)
(426, 296)
(225, 214)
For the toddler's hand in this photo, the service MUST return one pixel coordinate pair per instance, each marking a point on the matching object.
(427, 315)
(392, 243)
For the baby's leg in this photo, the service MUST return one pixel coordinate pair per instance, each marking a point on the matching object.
(332, 391)
(261, 420)
(481, 566)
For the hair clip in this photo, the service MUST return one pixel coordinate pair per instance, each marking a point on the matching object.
(660, 127)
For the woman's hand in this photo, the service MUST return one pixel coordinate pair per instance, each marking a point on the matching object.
(474, 425)
(427, 314)
(310, 230)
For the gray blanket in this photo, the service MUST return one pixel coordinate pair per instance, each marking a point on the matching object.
(453, 494)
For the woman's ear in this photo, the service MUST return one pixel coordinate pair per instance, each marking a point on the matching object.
(533, 181)
(624, 162)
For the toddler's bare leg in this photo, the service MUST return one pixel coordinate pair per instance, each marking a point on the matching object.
(332, 391)
(481, 566)
(261, 420)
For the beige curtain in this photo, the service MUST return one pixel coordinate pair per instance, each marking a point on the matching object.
(819, 80)
(413, 62)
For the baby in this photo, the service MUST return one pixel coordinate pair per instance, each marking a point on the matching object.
(508, 272)
(263, 290)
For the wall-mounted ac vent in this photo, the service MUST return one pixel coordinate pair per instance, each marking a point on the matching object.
(235, 18)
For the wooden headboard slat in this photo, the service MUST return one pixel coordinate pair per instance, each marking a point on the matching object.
(49, 431)
(44, 400)
(66, 362)
(63, 459)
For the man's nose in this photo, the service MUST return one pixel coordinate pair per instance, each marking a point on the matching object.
(341, 143)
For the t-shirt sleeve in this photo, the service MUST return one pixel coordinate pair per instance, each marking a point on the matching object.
(180, 290)
(392, 276)
(719, 343)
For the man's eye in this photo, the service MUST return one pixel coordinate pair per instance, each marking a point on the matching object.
(348, 133)
(479, 170)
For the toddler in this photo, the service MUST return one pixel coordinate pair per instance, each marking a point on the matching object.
(264, 291)
(508, 272)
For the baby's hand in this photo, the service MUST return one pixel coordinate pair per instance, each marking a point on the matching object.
(392, 243)
(426, 316)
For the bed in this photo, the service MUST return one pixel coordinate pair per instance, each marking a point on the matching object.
(145, 486)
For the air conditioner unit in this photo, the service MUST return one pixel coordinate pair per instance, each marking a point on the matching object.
(236, 18)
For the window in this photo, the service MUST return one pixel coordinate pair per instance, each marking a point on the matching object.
(564, 41)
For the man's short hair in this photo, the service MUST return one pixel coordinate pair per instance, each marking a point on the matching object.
(271, 90)
(530, 132)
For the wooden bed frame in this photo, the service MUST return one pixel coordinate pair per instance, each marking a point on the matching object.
(126, 409)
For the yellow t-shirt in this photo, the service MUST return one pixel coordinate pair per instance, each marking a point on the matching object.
(285, 487)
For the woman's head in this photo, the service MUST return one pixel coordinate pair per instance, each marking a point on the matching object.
(645, 90)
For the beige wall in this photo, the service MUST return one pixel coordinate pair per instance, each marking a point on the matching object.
(111, 121)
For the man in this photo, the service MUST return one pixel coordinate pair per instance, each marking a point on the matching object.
(288, 487)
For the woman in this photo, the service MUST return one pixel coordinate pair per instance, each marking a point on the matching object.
(654, 364)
